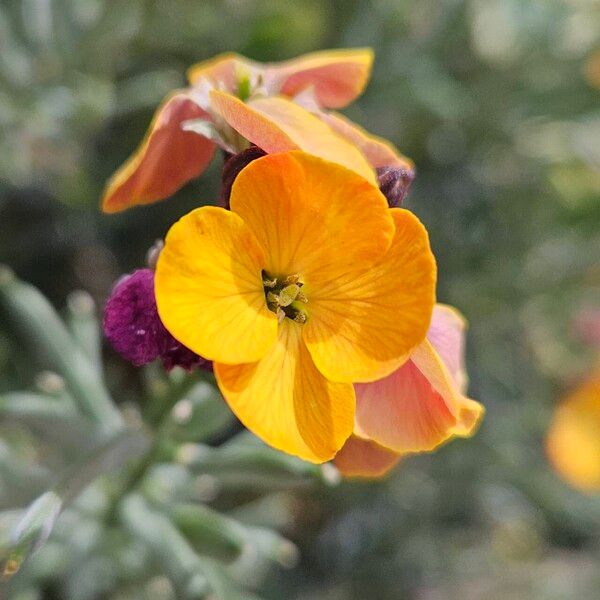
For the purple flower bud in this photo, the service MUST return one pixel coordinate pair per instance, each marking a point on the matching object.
(394, 183)
(232, 167)
(134, 329)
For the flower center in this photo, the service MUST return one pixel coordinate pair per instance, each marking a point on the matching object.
(284, 297)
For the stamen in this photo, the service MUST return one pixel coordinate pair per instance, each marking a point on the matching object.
(291, 279)
(300, 316)
(281, 294)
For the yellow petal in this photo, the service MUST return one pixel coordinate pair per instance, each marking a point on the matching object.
(284, 399)
(378, 151)
(573, 440)
(167, 158)
(209, 288)
(365, 458)
(313, 218)
(278, 125)
(364, 323)
(336, 76)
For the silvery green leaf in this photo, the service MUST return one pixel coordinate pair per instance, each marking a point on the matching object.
(31, 531)
(254, 465)
(201, 414)
(84, 327)
(35, 320)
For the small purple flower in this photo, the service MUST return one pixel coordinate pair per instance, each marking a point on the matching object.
(134, 329)
(394, 183)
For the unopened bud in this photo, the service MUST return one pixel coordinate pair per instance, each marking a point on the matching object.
(232, 167)
(394, 183)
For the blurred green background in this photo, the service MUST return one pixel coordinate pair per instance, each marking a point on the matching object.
(498, 103)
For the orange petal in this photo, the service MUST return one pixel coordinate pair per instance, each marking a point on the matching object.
(337, 76)
(447, 335)
(379, 152)
(364, 458)
(312, 217)
(416, 408)
(284, 399)
(363, 323)
(209, 289)
(279, 125)
(167, 158)
(573, 440)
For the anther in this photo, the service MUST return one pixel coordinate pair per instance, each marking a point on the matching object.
(291, 279)
(300, 317)
(288, 294)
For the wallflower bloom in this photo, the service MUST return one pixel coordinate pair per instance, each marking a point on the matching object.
(308, 284)
(232, 102)
(573, 439)
(417, 407)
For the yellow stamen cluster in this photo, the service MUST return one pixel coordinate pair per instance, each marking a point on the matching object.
(283, 295)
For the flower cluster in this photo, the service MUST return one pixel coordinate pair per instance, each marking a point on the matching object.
(309, 289)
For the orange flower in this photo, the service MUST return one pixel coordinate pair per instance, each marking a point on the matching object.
(232, 102)
(417, 407)
(295, 294)
(573, 439)
(185, 130)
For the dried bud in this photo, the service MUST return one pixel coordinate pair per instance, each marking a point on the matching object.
(134, 329)
(232, 167)
(394, 183)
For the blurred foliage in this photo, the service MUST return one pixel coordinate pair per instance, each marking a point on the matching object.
(498, 104)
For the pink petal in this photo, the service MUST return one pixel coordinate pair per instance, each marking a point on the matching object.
(447, 335)
(364, 458)
(337, 76)
(167, 158)
(379, 152)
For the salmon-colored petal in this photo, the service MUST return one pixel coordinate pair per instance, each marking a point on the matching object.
(279, 125)
(378, 151)
(336, 76)
(417, 407)
(573, 439)
(313, 218)
(284, 399)
(209, 289)
(447, 335)
(365, 459)
(222, 70)
(167, 158)
(363, 324)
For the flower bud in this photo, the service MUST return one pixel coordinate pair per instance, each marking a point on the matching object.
(394, 183)
(134, 329)
(232, 167)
